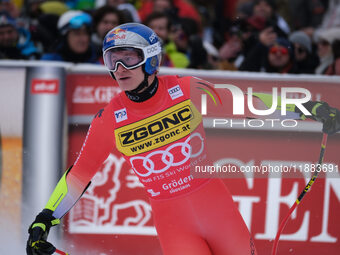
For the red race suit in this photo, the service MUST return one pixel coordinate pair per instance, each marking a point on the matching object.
(162, 138)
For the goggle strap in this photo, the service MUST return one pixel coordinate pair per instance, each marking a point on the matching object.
(127, 67)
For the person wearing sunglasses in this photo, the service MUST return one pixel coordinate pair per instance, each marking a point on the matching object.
(306, 59)
(273, 55)
(281, 57)
(74, 44)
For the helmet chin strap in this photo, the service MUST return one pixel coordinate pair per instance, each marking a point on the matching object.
(142, 85)
(137, 95)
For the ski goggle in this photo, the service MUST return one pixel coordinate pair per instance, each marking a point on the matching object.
(129, 57)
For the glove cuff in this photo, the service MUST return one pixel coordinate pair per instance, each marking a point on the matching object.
(45, 220)
(312, 107)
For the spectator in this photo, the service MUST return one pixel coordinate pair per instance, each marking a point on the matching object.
(189, 42)
(306, 59)
(15, 42)
(334, 68)
(281, 57)
(129, 11)
(176, 8)
(266, 10)
(160, 23)
(231, 53)
(306, 15)
(224, 12)
(258, 50)
(239, 41)
(75, 39)
(41, 18)
(332, 16)
(324, 48)
(259, 32)
(104, 19)
(32, 10)
(7, 7)
(244, 9)
(276, 58)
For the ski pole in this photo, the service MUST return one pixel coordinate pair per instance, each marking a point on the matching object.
(61, 252)
(303, 193)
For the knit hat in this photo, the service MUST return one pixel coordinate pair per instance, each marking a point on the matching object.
(330, 35)
(281, 41)
(301, 38)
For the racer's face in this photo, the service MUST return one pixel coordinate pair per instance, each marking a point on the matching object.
(129, 79)
(126, 63)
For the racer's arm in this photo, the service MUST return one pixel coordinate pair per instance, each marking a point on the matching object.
(98, 143)
(319, 111)
(322, 112)
(265, 101)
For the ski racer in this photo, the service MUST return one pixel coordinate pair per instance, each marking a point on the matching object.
(196, 216)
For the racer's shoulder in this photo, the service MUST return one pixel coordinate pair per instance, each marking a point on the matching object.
(192, 80)
(183, 80)
(104, 114)
(116, 100)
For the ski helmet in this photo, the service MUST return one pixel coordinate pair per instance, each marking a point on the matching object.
(73, 20)
(140, 44)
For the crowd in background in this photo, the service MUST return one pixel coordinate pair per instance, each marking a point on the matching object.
(274, 36)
